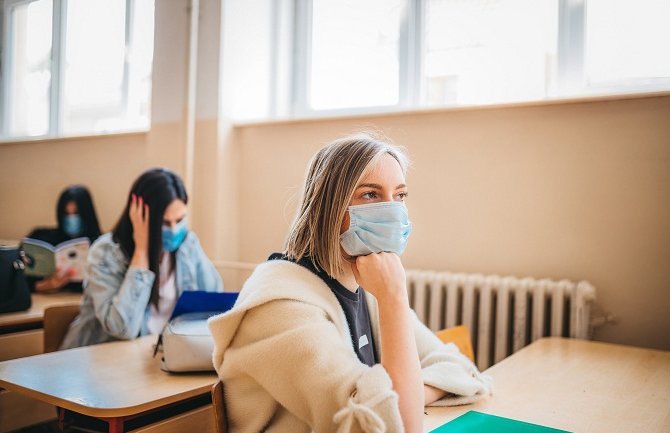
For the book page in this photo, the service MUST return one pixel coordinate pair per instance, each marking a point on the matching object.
(71, 255)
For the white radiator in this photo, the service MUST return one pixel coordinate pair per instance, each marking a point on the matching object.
(503, 314)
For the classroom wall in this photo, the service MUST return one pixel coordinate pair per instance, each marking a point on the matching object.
(573, 190)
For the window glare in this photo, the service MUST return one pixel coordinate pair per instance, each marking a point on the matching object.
(484, 51)
(30, 74)
(354, 53)
(627, 41)
(141, 63)
(94, 69)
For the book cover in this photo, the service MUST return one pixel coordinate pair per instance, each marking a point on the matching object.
(473, 421)
(196, 301)
(44, 258)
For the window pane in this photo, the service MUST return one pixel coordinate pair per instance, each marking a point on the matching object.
(140, 65)
(354, 53)
(484, 51)
(30, 73)
(102, 92)
(627, 42)
(94, 65)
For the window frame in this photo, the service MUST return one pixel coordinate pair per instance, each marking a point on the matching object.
(409, 64)
(58, 37)
(570, 81)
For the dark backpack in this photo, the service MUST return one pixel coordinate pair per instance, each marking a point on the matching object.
(14, 291)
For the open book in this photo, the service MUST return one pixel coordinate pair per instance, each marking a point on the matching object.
(43, 258)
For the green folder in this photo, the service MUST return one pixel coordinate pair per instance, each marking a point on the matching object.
(473, 421)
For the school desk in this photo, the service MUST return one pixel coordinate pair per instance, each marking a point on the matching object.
(117, 385)
(578, 386)
(21, 333)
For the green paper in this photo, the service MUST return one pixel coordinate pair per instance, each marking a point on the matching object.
(478, 422)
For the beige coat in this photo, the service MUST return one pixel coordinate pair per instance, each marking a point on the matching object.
(285, 357)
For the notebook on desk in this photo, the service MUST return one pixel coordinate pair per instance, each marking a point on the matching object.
(478, 422)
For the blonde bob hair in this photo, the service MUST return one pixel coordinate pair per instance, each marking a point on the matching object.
(332, 177)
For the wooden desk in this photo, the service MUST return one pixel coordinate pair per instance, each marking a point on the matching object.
(34, 315)
(21, 335)
(579, 386)
(114, 382)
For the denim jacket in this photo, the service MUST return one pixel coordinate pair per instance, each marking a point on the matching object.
(115, 304)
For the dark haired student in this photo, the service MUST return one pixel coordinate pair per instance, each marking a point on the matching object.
(76, 218)
(137, 272)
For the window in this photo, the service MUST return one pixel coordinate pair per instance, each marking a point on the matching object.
(354, 44)
(399, 54)
(73, 67)
(482, 51)
(627, 43)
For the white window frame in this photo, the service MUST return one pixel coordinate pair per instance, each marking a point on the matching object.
(570, 81)
(59, 29)
(409, 56)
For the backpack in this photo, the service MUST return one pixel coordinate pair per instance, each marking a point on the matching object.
(14, 291)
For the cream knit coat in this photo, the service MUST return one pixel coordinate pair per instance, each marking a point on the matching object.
(285, 357)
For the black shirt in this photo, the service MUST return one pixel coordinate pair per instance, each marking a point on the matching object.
(355, 310)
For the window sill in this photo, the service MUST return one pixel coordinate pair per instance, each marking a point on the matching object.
(403, 111)
(46, 139)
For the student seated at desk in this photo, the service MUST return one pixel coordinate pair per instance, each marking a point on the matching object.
(322, 337)
(137, 272)
(76, 218)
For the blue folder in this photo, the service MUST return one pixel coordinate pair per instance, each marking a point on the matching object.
(198, 301)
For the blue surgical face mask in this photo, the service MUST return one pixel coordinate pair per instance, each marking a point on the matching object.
(376, 227)
(173, 237)
(72, 225)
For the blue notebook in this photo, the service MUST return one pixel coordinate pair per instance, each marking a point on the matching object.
(478, 422)
(200, 301)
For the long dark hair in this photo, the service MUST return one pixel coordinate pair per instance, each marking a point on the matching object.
(89, 219)
(158, 187)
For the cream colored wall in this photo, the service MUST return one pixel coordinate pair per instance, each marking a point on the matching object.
(578, 191)
(32, 175)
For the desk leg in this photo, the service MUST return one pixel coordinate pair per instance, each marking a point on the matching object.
(115, 425)
(62, 422)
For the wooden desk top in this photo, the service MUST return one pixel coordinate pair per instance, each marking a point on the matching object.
(35, 314)
(106, 380)
(579, 386)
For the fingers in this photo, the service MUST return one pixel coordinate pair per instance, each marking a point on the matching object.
(138, 211)
(132, 208)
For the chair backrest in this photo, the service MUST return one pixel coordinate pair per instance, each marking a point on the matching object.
(57, 320)
(460, 336)
(219, 407)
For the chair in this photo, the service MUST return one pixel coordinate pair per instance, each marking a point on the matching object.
(219, 408)
(57, 320)
(460, 336)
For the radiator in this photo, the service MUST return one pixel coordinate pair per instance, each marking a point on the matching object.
(503, 314)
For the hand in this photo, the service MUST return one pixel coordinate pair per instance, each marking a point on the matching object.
(383, 275)
(139, 218)
(55, 281)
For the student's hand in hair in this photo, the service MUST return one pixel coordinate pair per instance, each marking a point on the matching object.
(55, 281)
(139, 217)
(383, 275)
